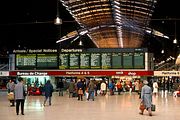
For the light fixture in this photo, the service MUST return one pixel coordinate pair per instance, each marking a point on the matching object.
(175, 40)
(80, 43)
(162, 51)
(58, 20)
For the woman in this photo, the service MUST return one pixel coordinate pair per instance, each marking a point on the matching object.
(80, 87)
(146, 97)
(155, 88)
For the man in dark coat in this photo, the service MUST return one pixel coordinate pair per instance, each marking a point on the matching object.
(61, 87)
(48, 89)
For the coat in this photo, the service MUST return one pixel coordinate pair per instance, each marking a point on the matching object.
(48, 89)
(146, 96)
(155, 87)
(19, 91)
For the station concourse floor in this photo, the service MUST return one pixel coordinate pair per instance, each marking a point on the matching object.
(116, 107)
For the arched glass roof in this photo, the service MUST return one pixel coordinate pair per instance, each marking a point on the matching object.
(112, 23)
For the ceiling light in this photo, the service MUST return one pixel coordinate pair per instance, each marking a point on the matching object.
(162, 51)
(58, 21)
(80, 43)
(175, 41)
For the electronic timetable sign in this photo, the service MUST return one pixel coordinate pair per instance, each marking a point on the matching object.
(24, 61)
(93, 58)
(47, 61)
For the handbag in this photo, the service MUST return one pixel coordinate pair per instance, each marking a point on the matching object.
(153, 107)
(142, 106)
(10, 96)
(80, 92)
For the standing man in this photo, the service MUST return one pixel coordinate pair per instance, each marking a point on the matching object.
(61, 87)
(20, 95)
(91, 89)
(48, 89)
(10, 87)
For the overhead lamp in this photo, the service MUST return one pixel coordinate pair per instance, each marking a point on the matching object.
(80, 43)
(175, 40)
(162, 51)
(57, 21)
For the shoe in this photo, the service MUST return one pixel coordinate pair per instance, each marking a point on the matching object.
(17, 113)
(22, 113)
(150, 114)
(140, 113)
(12, 105)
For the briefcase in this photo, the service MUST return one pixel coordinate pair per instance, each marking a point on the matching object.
(153, 107)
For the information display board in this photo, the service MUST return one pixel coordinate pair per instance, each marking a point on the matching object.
(128, 60)
(47, 61)
(106, 60)
(95, 60)
(80, 59)
(64, 61)
(25, 61)
(74, 61)
(117, 60)
(138, 60)
(84, 60)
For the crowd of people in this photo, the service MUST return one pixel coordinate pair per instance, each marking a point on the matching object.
(88, 88)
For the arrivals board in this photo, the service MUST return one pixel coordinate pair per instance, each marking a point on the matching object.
(47, 61)
(24, 61)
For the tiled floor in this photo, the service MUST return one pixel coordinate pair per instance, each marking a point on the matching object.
(117, 107)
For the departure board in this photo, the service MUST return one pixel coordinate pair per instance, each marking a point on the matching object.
(106, 60)
(47, 61)
(128, 60)
(138, 60)
(84, 60)
(95, 60)
(25, 60)
(74, 61)
(116, 60)
(64, 61)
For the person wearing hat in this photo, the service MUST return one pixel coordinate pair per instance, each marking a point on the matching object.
(146, 97)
